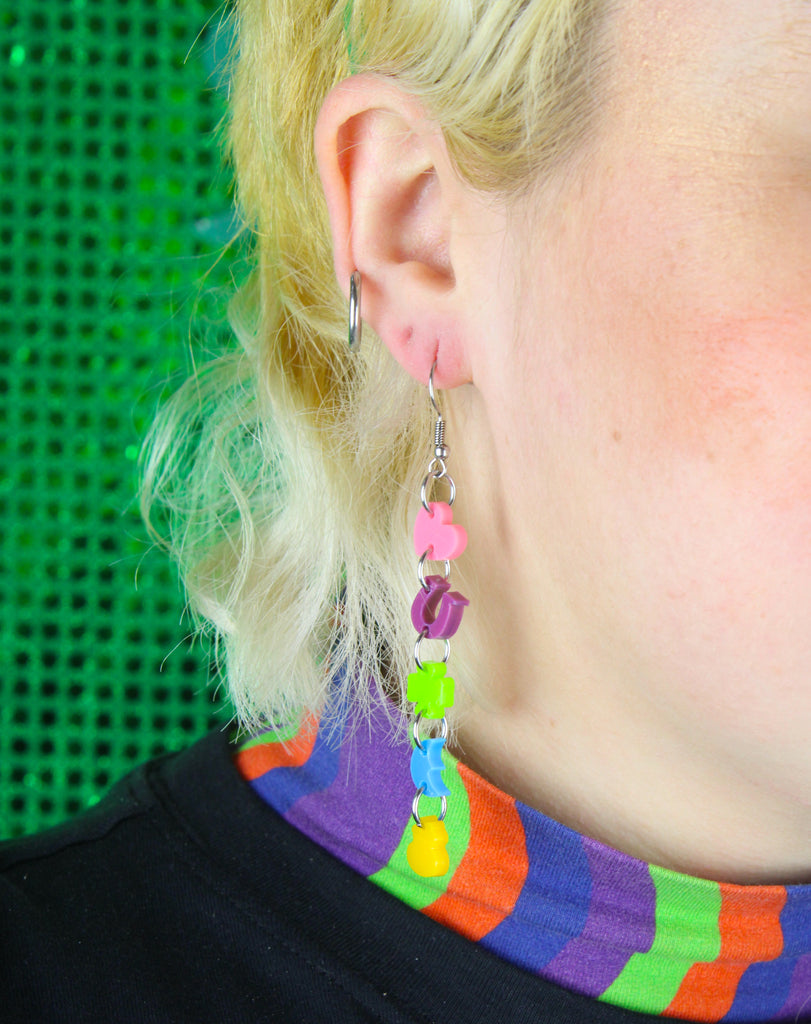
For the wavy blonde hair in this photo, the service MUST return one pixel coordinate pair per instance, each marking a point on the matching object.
(285, 471)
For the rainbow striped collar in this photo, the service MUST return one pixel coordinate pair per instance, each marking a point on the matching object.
(534, 892)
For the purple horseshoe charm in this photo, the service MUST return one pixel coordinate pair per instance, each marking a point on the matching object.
(436, 611)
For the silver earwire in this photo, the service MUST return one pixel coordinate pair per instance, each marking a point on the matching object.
(431, 393)
(437, 469)
(441, 450)
(355, 322)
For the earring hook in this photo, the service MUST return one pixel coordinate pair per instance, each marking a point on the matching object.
(431, 392)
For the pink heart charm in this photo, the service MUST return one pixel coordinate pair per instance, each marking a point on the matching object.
(436, 534)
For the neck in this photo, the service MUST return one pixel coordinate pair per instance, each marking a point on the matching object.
(570, 715)
(633, 786)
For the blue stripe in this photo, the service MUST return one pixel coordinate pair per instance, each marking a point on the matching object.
(796, 921)
(554, 902)
(762, 991)
(282, 787)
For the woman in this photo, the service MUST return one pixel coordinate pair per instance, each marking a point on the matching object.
(585, 227)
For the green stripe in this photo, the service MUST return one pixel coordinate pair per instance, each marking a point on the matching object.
(279, 736)
(347, 19)
(356, 57)
(686, 920)
(397, 877)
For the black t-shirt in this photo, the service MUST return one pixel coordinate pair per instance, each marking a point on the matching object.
(183, 897)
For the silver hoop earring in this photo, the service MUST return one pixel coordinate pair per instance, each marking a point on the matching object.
(355, 323)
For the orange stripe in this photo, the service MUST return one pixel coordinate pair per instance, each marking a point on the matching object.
(253, 762)
(487, 883)
(750, 933)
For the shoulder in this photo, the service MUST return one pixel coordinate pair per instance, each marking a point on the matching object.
(104, 834)
(183, 897)
(85, 835)
(88, 909)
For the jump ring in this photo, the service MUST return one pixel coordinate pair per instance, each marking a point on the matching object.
(415, 807)
(421, 571)
(432, 476)
(415, 730)
(420, 639)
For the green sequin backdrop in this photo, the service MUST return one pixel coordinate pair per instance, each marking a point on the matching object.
(113, 207)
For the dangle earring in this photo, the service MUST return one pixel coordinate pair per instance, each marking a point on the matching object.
(436, 614)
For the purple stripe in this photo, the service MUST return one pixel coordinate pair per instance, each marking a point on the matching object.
(361, 815)
(798, 1005)
(621, 921)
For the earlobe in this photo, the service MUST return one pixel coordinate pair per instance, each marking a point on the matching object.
(390, 191)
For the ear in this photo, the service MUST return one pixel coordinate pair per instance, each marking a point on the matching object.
(392, 194)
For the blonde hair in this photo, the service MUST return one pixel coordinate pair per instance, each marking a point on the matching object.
(286, 470)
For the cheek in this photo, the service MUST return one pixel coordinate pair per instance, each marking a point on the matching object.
(729, 488)
(713, 527)
(737, 398)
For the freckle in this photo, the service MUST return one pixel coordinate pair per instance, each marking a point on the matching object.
(617, 435)
(710, 456)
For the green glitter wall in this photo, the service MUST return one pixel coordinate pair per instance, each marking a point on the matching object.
(113, 206)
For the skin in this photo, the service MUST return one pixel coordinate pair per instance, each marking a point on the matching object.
(632, 417)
